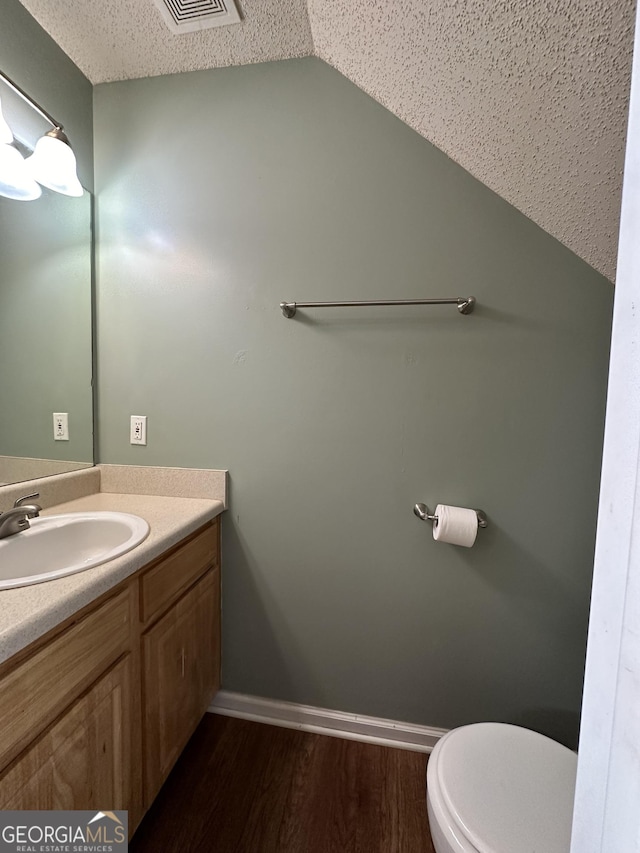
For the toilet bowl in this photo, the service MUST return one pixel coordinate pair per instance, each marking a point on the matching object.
(497, 788)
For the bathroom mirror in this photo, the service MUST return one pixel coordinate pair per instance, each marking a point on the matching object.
(45, 334)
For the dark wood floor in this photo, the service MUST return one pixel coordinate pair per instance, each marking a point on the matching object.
(243, 787)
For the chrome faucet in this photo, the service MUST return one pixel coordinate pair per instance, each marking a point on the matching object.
(17, 519)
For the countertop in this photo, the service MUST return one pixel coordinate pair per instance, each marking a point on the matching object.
(28, 612)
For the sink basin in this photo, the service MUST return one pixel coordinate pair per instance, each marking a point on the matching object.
(59, 545)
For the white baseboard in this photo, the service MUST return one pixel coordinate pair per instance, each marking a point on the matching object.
(322, 721)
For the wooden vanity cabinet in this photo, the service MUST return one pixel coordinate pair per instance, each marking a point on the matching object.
(179, 680)
(83, 760)
(182, 612)
(116, 690)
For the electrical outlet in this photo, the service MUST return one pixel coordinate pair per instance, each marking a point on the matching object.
(138, 429)
(61, 426)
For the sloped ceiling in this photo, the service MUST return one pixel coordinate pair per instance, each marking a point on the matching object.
(530, 96)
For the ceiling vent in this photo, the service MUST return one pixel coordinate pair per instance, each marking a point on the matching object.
(189, 16)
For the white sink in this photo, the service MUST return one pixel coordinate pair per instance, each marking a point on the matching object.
(59, 545)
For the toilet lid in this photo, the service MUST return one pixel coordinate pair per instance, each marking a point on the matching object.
(510, 790)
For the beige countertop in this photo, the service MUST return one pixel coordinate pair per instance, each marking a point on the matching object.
(28, 612)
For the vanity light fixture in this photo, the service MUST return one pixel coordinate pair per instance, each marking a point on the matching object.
(52, 164)
(16, 181)
(6, 136)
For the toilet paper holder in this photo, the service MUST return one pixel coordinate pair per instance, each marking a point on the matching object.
(422, 511)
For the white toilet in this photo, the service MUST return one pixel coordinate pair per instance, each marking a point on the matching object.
(497, 788)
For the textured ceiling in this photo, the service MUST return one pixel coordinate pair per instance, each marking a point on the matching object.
(530, 96)
(125, 39)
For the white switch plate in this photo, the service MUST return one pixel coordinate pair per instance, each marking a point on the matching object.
(61, 426)
(138, 429)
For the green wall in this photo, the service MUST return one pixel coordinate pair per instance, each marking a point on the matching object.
(222, 193)
(35, 62)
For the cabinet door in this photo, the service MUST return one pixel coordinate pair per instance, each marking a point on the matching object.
(181, 660)
(83, 760)
(37, 691)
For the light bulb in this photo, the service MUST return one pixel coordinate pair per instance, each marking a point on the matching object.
(15, 180)
(53, 164)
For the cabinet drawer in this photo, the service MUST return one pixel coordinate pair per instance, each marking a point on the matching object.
(163, 583)
(34, 693)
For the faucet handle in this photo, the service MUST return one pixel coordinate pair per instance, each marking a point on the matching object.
(20, 501)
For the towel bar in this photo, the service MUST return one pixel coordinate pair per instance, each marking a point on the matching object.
(465, 304)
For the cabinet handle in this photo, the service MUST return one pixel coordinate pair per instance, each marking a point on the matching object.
(182, 661)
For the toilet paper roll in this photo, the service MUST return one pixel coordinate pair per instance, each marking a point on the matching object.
(456, 525)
